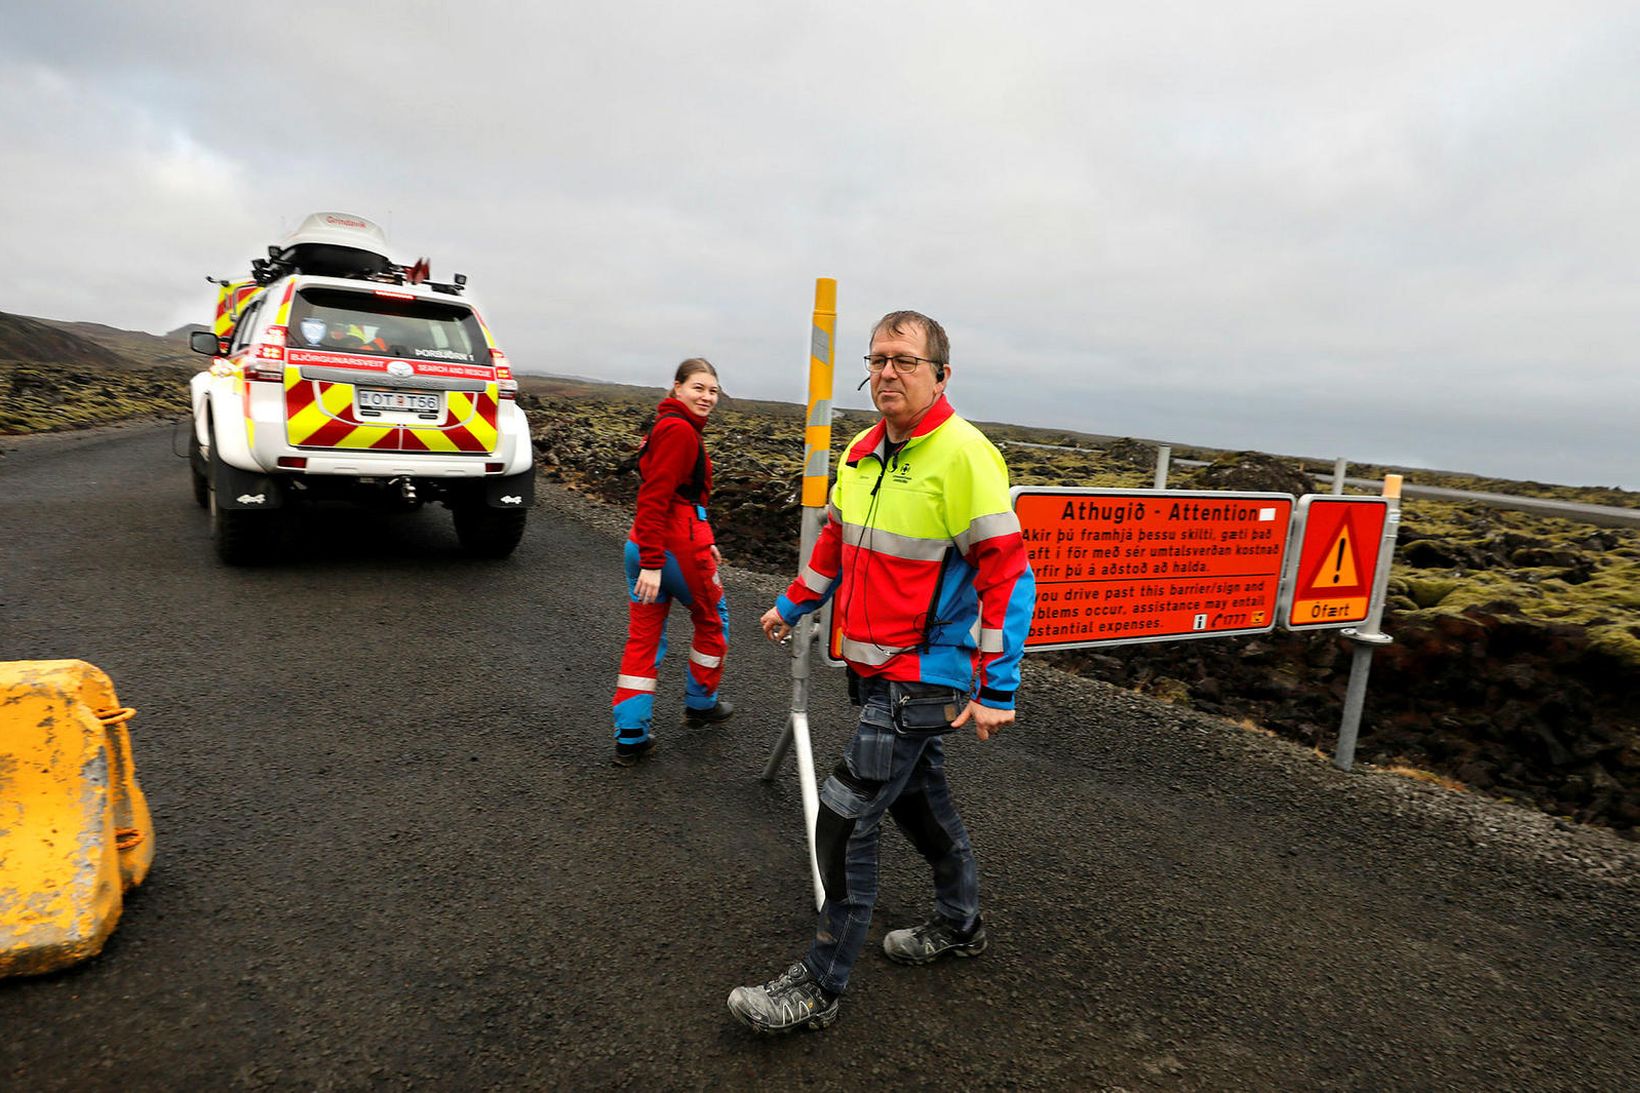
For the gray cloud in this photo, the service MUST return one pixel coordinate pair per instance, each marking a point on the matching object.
(1396, 233)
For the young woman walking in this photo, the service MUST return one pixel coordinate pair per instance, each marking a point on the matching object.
(671, 554)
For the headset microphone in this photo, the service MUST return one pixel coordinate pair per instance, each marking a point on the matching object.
(864, 382)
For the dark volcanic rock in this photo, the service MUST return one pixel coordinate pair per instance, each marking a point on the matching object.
(1502, 703)
(1253, 472)
(1432, 554)
(1128, 452)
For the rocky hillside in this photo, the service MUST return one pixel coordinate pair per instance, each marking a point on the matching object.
(36, 341)
(141, 349)
(57, 375)
(1516, 665)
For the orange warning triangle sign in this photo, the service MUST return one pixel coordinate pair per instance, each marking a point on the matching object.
(1337, 571)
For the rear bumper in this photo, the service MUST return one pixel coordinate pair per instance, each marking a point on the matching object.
(237, 489)
(392, 465)
(256, 442)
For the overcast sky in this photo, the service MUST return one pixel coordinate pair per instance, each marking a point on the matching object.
(1397, 232)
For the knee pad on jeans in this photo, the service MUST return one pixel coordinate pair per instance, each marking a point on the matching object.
(914, 817)
(835, 825)
(831, 834)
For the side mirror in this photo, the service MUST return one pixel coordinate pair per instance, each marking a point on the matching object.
(203, 341)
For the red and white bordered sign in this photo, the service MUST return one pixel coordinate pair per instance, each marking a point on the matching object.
(1330, 580)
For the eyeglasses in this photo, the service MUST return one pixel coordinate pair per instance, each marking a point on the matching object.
(905, 366)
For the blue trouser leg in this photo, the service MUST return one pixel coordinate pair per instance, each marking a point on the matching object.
(634, 703)
(882, 771)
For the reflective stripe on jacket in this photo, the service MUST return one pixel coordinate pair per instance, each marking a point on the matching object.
(922, 557)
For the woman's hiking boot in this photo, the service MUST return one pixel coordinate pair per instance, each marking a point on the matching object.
(721, 710)
(630, 755)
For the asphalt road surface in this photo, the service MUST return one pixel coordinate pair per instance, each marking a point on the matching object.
(392, 851)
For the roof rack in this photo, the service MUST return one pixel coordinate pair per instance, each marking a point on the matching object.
(282, 263)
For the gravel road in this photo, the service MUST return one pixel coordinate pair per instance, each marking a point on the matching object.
(392, 850)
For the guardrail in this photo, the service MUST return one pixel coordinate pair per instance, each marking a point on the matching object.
(1611, 516)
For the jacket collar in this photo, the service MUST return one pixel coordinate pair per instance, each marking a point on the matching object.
(875, 440)
(671, 407)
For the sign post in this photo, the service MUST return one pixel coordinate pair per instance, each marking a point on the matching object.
(816, 474)
(1368, 637)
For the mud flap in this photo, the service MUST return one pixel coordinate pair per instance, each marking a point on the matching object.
(513, 491)
(237, 489)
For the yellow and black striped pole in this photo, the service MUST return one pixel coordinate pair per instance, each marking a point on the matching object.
(816, 482)
(817, 425)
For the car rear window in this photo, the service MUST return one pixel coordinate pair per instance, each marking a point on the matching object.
(357, 322)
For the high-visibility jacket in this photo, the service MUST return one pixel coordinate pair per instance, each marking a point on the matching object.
(921, 554)
(373, 342)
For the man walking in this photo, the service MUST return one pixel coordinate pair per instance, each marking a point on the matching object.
(922, 555)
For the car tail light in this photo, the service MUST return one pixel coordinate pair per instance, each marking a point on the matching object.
(506, 386)
(494, 468)
(268, 362)
(293, 462)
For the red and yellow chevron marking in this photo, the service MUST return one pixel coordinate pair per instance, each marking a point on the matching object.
(469, 424)
(319, 414)
(489, 339)
(231, 301)
(242, 388)
(282, 316)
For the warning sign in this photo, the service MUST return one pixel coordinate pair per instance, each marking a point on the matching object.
(1337, 559)
(1117, 566)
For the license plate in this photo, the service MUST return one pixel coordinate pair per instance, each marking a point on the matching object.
(374, 400)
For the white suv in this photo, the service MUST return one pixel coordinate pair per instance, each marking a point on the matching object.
(340, 375)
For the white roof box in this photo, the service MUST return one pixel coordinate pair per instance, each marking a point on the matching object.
(340, 230)
(337, 244)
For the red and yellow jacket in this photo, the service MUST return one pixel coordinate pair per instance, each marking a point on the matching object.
(922, 557)
(674, 470)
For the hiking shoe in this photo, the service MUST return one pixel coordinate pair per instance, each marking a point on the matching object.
(789, 1001)
(721, 710)
(932, 940)
(630, 755)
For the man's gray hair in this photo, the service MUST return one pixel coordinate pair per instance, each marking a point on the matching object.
(898, 322)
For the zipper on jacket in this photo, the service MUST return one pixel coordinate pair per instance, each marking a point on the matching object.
(934, 602)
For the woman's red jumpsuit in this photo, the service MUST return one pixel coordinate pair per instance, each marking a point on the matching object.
(670, 533)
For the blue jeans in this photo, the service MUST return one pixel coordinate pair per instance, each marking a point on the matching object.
(903, 775)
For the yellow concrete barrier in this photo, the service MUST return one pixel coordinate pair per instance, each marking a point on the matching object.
(75, 831)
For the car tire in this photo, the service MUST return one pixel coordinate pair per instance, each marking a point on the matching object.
(246, 538)
(489, 533)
